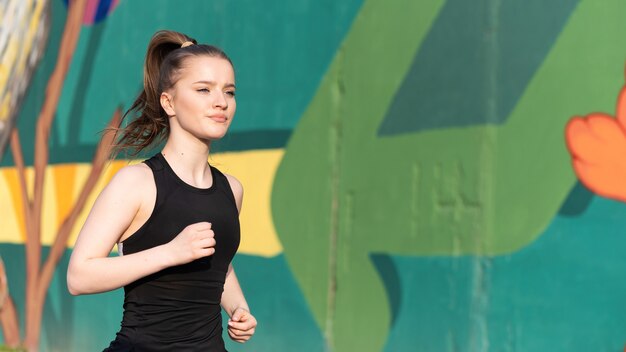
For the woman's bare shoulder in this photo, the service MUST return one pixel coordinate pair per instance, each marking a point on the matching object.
(237, 189)
(131, 178)
(233, 181)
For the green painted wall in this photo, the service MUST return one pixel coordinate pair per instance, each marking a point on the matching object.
(425, 201)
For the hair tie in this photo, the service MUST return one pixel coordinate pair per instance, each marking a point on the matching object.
(186, 44)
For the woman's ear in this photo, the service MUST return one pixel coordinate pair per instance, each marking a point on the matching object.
(166, 104)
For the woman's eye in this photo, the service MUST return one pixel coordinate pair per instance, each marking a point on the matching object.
(203, 90)
(231, 93)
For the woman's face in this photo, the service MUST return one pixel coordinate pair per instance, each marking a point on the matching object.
(202, 102)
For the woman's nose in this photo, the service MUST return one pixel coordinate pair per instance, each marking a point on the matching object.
(219, 100)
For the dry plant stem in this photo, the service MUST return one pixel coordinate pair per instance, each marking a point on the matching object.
(10, 324)
(8, 315)
(60, 242)
(38, 279)
(4, 288)
(18, 159)
(34, 301)
(33, 249)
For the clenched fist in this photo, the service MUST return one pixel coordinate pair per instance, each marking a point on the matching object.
(241, 325)
(195, 241)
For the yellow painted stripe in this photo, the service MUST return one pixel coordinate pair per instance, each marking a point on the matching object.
(254, 169)
(64, 177)
(80, 177)
(11, 208)
(49, 226)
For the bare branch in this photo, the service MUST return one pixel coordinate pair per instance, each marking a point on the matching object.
(33, 247)
(18, 159)
(8, 315)
(54, 88)
(4, 284)
(71, 32)
(60, 242)
(10, 323)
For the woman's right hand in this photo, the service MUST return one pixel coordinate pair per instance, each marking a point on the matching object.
(194, 242)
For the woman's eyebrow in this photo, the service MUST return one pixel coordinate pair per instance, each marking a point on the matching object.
(212, 83)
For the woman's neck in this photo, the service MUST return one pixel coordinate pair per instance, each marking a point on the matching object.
(189, 161)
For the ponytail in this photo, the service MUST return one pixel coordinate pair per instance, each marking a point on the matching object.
(164, 58)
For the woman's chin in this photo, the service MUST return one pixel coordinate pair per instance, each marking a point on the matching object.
(215, 134)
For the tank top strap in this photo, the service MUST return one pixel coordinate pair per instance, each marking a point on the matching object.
(154, 163)
(163, 185)
(221, 181)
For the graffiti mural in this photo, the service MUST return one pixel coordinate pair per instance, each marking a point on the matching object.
(23, 36)
(408, 182)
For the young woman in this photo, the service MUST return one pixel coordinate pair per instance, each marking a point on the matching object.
(174, 217)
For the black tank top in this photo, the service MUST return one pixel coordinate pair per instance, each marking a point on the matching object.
(178, 308)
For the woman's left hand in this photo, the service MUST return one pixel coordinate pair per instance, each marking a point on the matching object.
(241, 325)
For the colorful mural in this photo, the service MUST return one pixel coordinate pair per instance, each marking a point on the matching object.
(407, 181)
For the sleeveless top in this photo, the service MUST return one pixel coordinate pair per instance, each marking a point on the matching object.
(178, 308)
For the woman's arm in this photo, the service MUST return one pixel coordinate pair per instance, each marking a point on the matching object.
(242, 324)
(233, 297)
(91, 270)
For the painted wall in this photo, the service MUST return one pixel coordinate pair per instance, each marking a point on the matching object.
(407, 182)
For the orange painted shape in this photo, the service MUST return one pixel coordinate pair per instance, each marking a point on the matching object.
(597, 144)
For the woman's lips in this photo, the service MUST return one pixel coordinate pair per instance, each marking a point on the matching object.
(218, 118)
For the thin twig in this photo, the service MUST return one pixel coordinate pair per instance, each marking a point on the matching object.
(10, 323)
(18, 159)
(69, 40)
(4, 287)
(60, 242)
(8, 315)
(54, 88)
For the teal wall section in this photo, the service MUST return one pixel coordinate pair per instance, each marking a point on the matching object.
(557, 294)
(425, 200)
(280, 51)
(89, 323)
